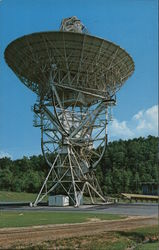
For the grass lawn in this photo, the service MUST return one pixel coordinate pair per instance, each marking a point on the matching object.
(16, 196)
(23, 219)
(148, 246)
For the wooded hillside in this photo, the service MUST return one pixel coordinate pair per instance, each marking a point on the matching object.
(125, 165)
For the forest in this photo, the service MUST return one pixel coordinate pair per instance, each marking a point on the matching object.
(125, 165)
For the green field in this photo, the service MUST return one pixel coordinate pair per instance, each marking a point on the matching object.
(15, 196)
(148, 246)
(34, 218)
(137, 239)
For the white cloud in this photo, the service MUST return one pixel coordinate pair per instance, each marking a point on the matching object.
(120, 130)
(5, 154)
(138, 115)
(147, 121)
(144, 123)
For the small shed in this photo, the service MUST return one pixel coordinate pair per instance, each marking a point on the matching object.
(58, 200)
(150, 188)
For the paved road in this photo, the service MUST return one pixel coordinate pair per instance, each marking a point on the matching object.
(125, 209)
(135, 209)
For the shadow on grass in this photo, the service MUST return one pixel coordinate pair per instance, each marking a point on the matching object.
(137, 236)
(140, 237)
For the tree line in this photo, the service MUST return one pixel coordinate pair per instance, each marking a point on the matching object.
(125, 165)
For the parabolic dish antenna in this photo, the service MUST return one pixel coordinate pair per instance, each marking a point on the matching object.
(75, 76)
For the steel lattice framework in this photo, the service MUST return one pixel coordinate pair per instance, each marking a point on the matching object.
(76, 77)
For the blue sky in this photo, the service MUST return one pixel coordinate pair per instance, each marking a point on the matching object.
(130, 24)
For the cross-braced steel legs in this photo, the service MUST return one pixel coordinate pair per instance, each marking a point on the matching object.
(73, 139)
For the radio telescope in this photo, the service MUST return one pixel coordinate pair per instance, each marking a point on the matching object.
(75, 76)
